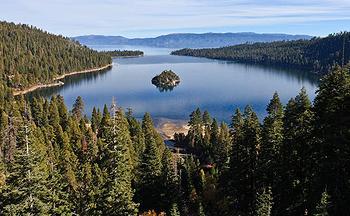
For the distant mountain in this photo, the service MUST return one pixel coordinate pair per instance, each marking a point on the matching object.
(186, 40)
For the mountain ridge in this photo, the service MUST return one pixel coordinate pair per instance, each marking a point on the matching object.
(190, 40)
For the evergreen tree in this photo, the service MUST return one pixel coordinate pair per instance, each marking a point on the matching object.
(95, 120)
(296, 167)
(206, 119)
(174, 211)
(62, 110)
(264, 203)
(26, 187)
(169, 194)
(323, 205)
(332, 125)
(150, 169)
(201, 211)
(242, 174)
(105, 123)
(195, 132)
(117, 193)
(78, 108)
(272, 138)
(223, 148)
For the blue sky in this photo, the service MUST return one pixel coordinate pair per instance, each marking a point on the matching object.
(146, 18)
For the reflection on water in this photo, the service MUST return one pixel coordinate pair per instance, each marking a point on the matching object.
(70, 83)
(165, 88)
(213, 85)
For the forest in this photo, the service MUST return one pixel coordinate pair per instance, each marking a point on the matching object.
(124, 53)
(30, 56)
(295, 161)
(317, 55)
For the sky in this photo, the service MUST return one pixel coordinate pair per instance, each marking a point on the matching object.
(149, 18)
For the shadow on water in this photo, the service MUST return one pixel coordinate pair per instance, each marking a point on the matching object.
(165, 88)
(70, 83)
(288, 72)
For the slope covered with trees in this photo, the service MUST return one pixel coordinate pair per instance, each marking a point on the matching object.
(294, 162)
(317, 55)
(124, 53)
(30, 56)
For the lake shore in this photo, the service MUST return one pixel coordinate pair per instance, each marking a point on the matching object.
(134, 56)
(168, 127)
(17, 92)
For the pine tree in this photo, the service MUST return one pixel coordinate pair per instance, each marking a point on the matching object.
(38, 111)
(95, 120)
(205, 149)
(150, 169)
(332, 125)
(174, 211)
(54, 116)
(223, 148)
(201, 211)
(264, 203)
(105, 123)
(137, 136)
(149, 130)
(207, 121)
(272, 138)
(170, 190)
(323, 205)
(59, 197)
(295, 169)
(26, 187)
(242, 174)
(78, 108)
(117, 193)
(62, 110)
(195, 132)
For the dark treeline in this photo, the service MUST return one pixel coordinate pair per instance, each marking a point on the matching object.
(30, 56)
(56, 162)
(317, 55)
(296, 162)
(124, 53)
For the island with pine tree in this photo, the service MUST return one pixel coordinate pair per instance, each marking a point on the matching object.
(165, 81)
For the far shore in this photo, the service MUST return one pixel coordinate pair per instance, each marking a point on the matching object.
(134, 56)
(57, 81)
(168, 127)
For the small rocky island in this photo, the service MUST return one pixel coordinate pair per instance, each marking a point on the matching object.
(166, 81)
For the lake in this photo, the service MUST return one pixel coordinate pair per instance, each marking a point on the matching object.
(217, 86)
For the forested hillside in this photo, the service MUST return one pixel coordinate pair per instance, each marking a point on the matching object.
(30, 56)
(124, 53)
(295, 162)
(317, 55)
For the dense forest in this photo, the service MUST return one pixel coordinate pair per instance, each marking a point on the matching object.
(124, 53)
(293, 162)
(30, 56)
(317, 55)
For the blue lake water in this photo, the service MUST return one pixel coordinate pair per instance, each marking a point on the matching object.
(217, 86)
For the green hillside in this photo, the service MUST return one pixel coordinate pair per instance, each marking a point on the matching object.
(317, 55)
(30, 56)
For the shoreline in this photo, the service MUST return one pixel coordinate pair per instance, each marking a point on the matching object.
(168, 127)
(59, 83)
(135, 56)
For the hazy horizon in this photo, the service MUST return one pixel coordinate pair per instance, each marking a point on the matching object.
(178, 33)
(140, 19)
